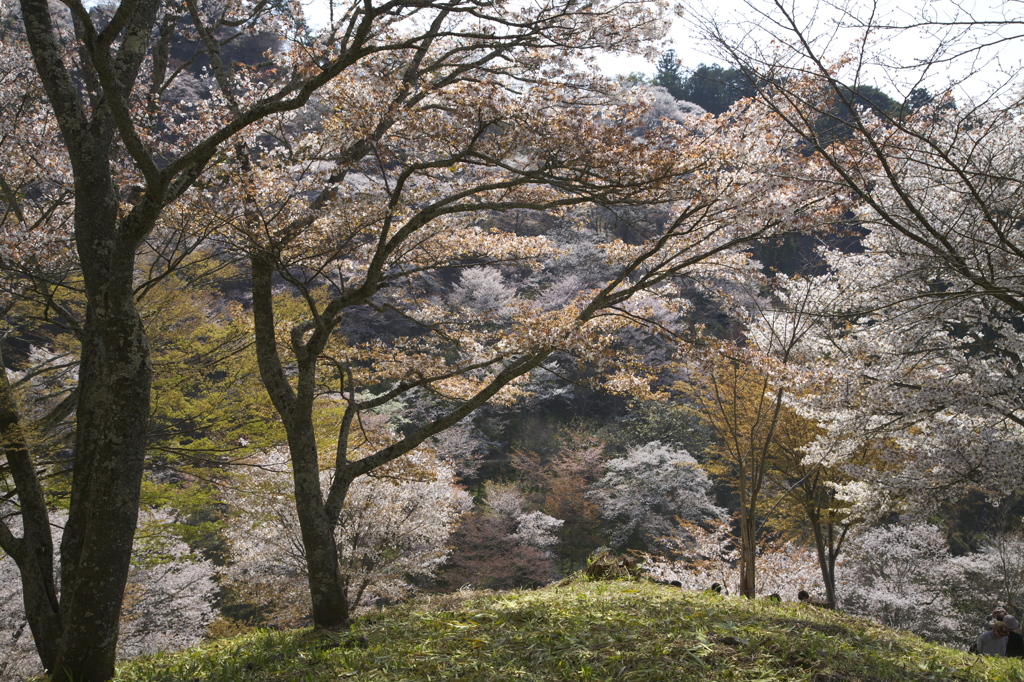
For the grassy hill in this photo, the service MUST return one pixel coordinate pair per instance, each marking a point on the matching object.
(612, 630)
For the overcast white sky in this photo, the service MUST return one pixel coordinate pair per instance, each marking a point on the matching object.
(995, 65)
(1005, 58)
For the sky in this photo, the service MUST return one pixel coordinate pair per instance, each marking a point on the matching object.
(990, 66)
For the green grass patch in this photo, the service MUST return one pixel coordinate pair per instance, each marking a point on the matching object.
(615, 630)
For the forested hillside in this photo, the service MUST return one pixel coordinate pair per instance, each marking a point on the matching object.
(302, 320)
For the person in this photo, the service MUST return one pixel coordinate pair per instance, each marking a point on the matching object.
(1014, 644)
(993, 642)
(998, 613)
(1014, 640)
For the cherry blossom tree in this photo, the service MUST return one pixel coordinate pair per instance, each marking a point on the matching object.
(919, 316)
(992, 575)
(931, 356)
(398, 215)
(900, 575)
(643, 493)
(905, 577)
(562, 483)
(393, 531)
(500, 545)
(103, 80)
(803, 473)
(741, 390)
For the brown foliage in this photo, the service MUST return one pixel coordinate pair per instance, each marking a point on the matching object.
(488, 556)
(607, 565)
(561, 483)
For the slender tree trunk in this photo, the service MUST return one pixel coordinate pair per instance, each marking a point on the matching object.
(295, 406)
(825, 562)
(748, 538)
(834, 545)
(748, 554)
(33, 551)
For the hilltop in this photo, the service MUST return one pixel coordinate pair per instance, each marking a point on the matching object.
(621, 630)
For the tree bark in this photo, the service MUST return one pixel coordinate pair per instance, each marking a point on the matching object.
(295, 406)
(33, 551)
(327, 588)
(110, 439)
(748, 544)
(825, 561)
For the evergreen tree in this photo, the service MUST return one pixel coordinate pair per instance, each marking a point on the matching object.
(668, 74)
(918, 97)
(714, 88)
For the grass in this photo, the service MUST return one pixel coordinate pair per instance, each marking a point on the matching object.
(613, 630)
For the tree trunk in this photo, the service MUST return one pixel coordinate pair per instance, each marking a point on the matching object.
(327, 588)
(825, 562)
(115, 376)
(833, 552)
(748, 539)
(110, 439)
(295, 406)
(748, 553)
(33, 552)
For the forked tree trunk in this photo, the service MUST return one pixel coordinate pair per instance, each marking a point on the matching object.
(295, 406)
(327, 589)
(825, 544)
(110, 439)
